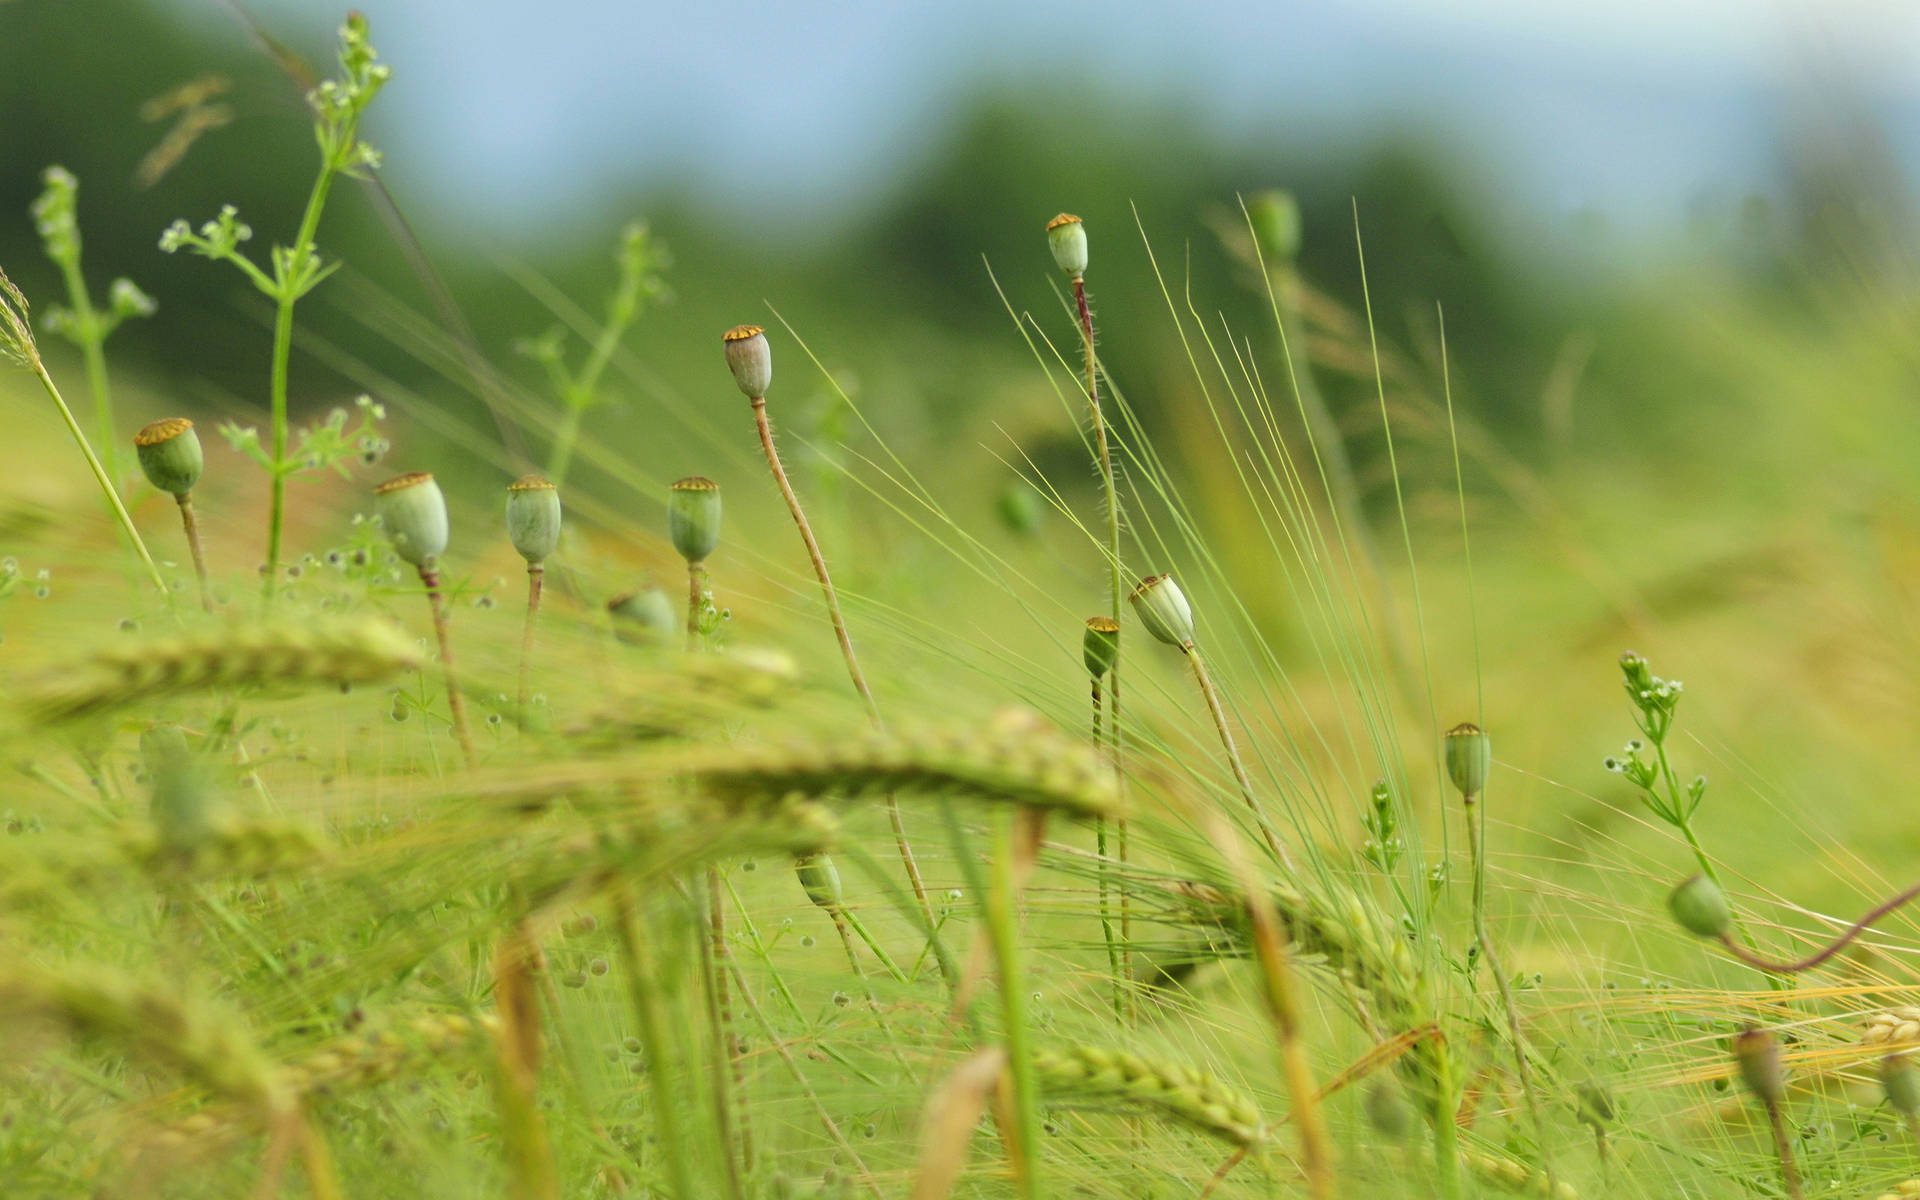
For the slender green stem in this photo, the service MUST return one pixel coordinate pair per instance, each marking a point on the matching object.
(845, 930)
(1219, 715)
(536, 578)
(696, 573)
(1003, 930)
(561, 456)
(1446, 1131)
(729, 1082)
(100, 476)
(92, 338)
(650, 1016)
(456, 703)
(192, 527)
(289, 286)
(1114, 968)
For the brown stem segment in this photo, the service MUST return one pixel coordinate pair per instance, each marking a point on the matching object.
(846, 643)
(1826, 952)
(192, 526)
(1233, 754)
(456, 703)
(536, 575)
(1783, 1146)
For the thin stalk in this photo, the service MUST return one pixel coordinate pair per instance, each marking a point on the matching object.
(562, 455)
(1205, 682)
(1023, 1149)
(536, 578)
(192, 526)
(1106, 884)
(1446, 1130)
(1826, 952)
(652, 1022)
(456, 702)
(100, 475)
(729, 1083)
(846, 642)
(696, 573)
(1476, 847)
(94, 352)
(1783, 1146)
(845, 931)
(277, 382)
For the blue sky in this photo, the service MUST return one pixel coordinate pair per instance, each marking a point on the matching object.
(1636, 109)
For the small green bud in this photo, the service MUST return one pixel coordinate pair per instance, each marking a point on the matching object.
(750, 359)
(693, 517)
(1758, 1054)
(179, 803)
(1100, 645)
(1593, 1104)
(1901, 1081)
(1388, 1111)
(643, 616)
(414, 511)
(820, 880)
(170, 455)
(1275, 217)
(1067, 238)
(533, 518)
(1701, 907)
(1469, 758)
(1020, 508)
(1163, 609)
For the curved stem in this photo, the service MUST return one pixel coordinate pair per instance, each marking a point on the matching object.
(1832, 948)
(1201, 677)
(192, 527)
(456, 703)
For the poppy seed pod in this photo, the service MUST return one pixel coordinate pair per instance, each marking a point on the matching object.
(643, 616)
(1275, 217)
(180, 804)
(1901, 1081)
(821, 881)
(533, 518)
(1067, 238)
(750, 359)
(1388, 1111)
(170, 455)
(1701, 907)
(1758, 1054)
(693, 517)
(414, 511)
(1100, 645)
(1163, 609)
(1469, 758)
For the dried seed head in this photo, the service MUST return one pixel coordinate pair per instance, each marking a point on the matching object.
(17, 346)
(1163, 609)
(1100, 645)
(414, 511)
(1275, 217)
(1701, 907)
(750, 359)
(533, 518)
(1901, 1080)
(1757, 1052)
(170, 455)
(1067, 238)
(693, 517)
(643, 616)
(1469, 758)
(821, 881)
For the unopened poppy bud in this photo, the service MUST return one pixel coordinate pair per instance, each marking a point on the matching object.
(533, 518)
(643, 616)
(693, 517)
(1388, 1111)
(1275, 217)
(1593, 1104)
(1469, 758)
(1900, 1078)
(1067, 238)
(1758, 1054)
(1163, 609)
(1100, 645)
(179, 804)
(414, 511)
(1701, 907)
(170, 455)
(750, 359)
(821, 881)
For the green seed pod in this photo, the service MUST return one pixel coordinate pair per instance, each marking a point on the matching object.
(1388, 1111)
(693, 517)
(1100, 645)
(1163, 609)
(1469, 758)
(1901, 1080)
(1275, 217)
(1067, 238)
(643, 616)
(414, 511)
(533, 518)
(178, 803)
(750, 359)
(170, 455)
(1020, 508)
(1758, 1053)
(1701, 907)
(1593, 1104)
(820, 880)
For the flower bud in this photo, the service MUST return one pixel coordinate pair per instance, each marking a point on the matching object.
(170, 455)
(533, 518)
(414, 511)
(693, 517)
(643, 616)
(1163, 609)
(1067, 238)
(1758, 1054)
(1701, 907)
(1901, 1081)
(1100, 645)
(1388, 1111)
(1275, 217)
(1593, 1104)
(750, 359)
(180, 804)
(821, 881)
(1469, 758)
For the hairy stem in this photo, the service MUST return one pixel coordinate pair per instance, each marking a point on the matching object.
(696, 573)
(1205, 681)
(1783, 1146)
(456, 703)
(536, 578)
(729, 1083)
(1106, 886)
(192, 526)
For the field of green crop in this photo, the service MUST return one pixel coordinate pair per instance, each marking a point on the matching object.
(1288, 766)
